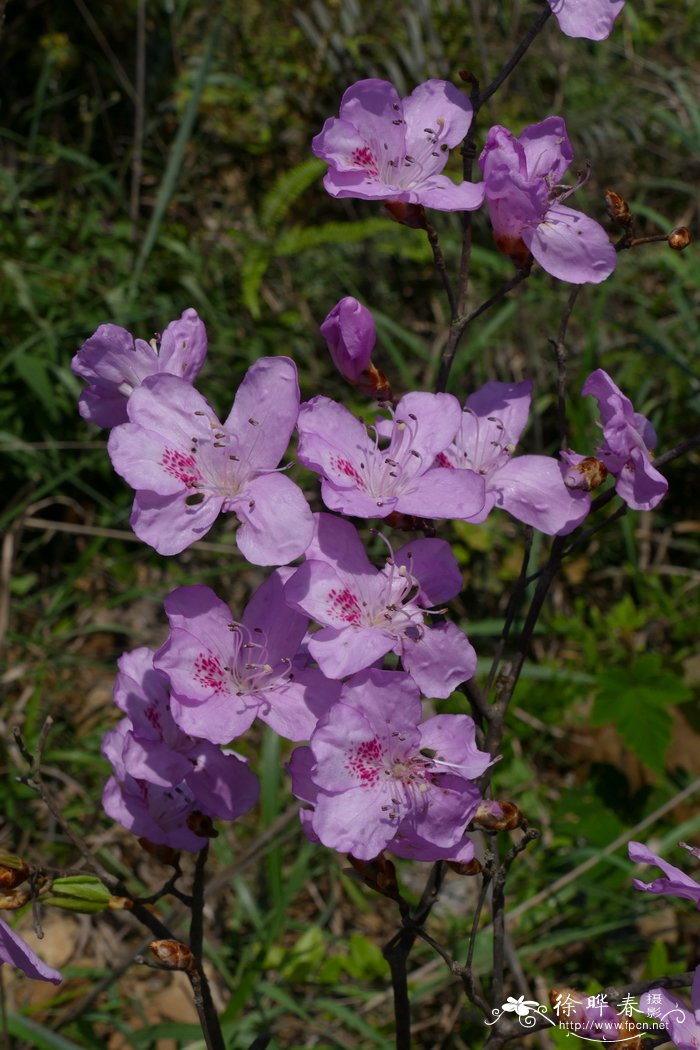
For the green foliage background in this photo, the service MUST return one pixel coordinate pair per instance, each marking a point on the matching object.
(128, 204)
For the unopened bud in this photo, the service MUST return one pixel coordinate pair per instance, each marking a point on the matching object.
(165, 854)
(200, 824)
(13, 871)
(679, 239)
(498, 816)
(174, 955)
(379, 874)
(412, 215)
(618, 208)
(16, 899)
(473, 867)
(81, 893)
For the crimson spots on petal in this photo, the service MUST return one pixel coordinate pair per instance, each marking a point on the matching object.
(344, 605)
(364, 761)
(344, 466)
(362, 157)
(441, 460)
(180, 466)
(209, 672)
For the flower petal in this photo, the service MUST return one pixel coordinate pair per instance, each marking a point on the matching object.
(276, 521)
(265, 411)
(571, 246)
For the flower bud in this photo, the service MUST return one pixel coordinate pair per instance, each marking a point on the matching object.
(679, 239)
(174, 955)
(16, 899)
(498, 816)
(81, 893)
(13, 871)
(618, 209)
(350, 333)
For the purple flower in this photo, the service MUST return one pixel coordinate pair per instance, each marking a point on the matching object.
(371, 477)
(367, 612)
(162, 775)
(404, 844)
(350, 333)
(682, 1023)
(592, 19)
(16, 952)
(626, 449)
(187, 467)
(224, 674)
(386, 148)
(531, 488)
(524, 197)
(676, 883)
(381, 780)
(114, 364)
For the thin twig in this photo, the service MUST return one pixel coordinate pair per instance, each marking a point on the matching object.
(519, 52)
(441, 267)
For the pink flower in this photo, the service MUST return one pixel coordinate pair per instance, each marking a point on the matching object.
(383, 147)
(531, 488)
(524, 197)
(115, 364)
(161, 775)
(381, 779)
(187, 467)
(224, 674)
(629, 438)
(676, 883)
(16, 952)
(367, 612)
(371, 477)
(592, 19)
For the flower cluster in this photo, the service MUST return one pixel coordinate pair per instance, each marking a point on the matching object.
(306, 655)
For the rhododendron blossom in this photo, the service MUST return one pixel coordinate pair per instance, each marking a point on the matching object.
(531, 488)
(223, 674)
(592, 19)
(394, 470)
(676, 883)
(382, 147)
(162, 775)
(629, 438)
(187, 467)
(114, 363)
(16, 952)
(406, 843)
(381, 777)
(367, 612)
(524, 197)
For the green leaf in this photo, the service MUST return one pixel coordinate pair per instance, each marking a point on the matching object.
(635, 700)
(278, 200)
(36, 1035)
